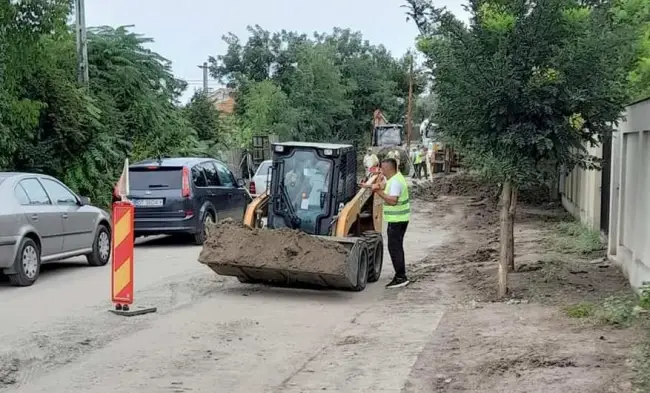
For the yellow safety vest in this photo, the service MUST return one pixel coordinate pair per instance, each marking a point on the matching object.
(400, 212)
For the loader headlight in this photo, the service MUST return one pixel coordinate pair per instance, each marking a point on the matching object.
(279, 148)
(328, 152)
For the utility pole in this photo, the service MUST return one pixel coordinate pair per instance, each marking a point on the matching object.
(205, 68)
(409, 106)
(82, 45)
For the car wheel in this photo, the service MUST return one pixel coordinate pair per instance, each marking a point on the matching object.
(27, 264)
(199, 236)
(101, 253)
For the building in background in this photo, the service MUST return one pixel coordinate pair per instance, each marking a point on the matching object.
(223, 100)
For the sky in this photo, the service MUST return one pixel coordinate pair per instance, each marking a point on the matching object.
(188, 32)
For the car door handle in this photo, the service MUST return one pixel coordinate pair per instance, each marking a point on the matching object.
(64, 215)
(34, 217)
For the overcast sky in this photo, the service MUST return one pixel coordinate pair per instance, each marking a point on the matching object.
(187, 32)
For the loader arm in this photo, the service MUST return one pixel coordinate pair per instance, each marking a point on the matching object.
(256, 209)
(351, 211)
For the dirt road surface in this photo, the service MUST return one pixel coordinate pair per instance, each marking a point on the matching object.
(213, 334)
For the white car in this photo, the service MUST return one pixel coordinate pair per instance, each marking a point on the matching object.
(261, 179)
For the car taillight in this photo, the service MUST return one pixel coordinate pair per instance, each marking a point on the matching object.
(251, 187)
(186, 182)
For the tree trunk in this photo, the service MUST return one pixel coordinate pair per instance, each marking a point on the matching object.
(506, 257)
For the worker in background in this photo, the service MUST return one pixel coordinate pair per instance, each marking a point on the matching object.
(423, 161)
(370, 160)
(417, 163)
(412, 158)
(397, 212)
(429, 159)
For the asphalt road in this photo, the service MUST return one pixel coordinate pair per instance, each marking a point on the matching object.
(211, 333)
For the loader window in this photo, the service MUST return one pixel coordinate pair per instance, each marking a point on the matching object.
(431, 131)
(389, 136)
(306, 178)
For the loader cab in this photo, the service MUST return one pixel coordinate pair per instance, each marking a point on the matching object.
(388, 135)
(309, 182)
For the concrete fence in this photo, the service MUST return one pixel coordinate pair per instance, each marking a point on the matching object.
(580, 191)
(616, 200)
(629, 227)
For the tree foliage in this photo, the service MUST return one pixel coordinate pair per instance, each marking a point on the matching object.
(636, 15)
(525, 84)
(50, 124)
(323, 87)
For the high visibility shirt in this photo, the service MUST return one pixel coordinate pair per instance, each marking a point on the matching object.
(401, 211)
(418, 157)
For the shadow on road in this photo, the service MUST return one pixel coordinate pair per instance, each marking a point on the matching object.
(52, 270)
(164, 241)
(297, 293)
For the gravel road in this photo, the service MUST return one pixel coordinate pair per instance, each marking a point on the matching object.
(212, 334)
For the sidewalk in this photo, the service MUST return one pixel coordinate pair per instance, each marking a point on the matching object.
(567, 326)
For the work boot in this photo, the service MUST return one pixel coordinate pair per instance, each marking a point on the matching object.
(398, 282)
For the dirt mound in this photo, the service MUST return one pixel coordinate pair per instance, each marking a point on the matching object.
(230, 244)
(460, 184)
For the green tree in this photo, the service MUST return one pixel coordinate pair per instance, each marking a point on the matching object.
(636, 14)
(332, 82)
(49, 124)
(266, 110)
(524, 84)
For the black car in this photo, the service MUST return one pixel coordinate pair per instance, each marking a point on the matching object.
(182, 195)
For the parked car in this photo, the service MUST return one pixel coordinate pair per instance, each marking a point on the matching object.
(42, 220)
(260, 181)
(182, 195)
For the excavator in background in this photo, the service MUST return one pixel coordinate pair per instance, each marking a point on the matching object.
(388, 141)
(440, 157)
(314, 190)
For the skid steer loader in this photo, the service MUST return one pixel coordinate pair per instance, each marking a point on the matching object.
(314, 190)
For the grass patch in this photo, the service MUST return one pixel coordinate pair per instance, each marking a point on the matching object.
(573, 237)
(625, 310)
(641, 382)
(580, 310)
(620, 311)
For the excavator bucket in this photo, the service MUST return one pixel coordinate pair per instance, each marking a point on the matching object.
(286, 257)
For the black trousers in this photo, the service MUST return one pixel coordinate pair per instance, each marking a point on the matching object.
(396, 232)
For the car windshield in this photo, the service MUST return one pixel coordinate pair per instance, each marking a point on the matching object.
(155, 178)
(431, 131)
(263, 170)
(306, 179)
(389, 136)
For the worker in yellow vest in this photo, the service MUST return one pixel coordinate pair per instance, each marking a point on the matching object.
(417, 163)
(397, 212)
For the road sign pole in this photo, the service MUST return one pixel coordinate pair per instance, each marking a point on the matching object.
(122, 284)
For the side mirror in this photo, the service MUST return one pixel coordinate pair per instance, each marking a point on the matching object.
(84, 201)
(241, 183)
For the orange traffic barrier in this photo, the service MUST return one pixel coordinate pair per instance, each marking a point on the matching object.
(122, 287)
(122, 277)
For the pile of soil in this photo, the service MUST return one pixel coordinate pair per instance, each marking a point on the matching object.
(458, 184)
(231, 243)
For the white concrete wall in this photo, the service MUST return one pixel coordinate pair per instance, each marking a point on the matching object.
(580, 192)
(629, 227)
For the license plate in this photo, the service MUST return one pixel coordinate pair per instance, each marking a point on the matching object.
(148, 202)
